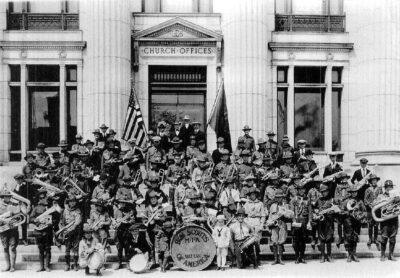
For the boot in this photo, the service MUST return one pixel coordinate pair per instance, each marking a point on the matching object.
(275, 250)
(296, 253)
(280, 254)
(98, 273)
(164, 264)
(322, 249)
(47, 261)
(383, 250)
(76, 265)
(353, 254)
(7, 259)
(391, 251)
(348, 249)
(119, 265)
(87, 272)
(370, 240)
(302, 260)
(329, 252)
(67, 263)
(13, 256)
(41, 261)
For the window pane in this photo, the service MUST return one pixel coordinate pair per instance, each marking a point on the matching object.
(45, 6)
(41, 73)
(72, 6)
(309, 75)
(15, 73)
(336, 120)
(15, 118)
(307, 7)
(164, 98)
(282, 114)
(44, 116)
(177, 6)
(71, 73)
(71, 115)
(336, 75)
(191, 98)
(281, 78)
(309, 117)
(335, 7)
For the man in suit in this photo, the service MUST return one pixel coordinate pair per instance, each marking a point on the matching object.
(200, 135)
(331, 169)
(185, 131)
(301, 150)
(359, 175)
(216, 154)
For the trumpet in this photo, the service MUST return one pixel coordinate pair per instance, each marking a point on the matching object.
(389, 208)
(320, 215)
(333, 176)
(117, 222)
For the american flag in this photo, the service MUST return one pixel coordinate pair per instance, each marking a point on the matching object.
(134, 125)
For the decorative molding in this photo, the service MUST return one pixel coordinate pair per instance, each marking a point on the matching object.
(305, 46)
(46, 45)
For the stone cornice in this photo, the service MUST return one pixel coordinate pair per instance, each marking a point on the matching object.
(305, 46)
(39, 45)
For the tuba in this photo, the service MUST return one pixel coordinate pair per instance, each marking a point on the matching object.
(389, 208)
(49, 188)
(45, 220)
(355, 211)
(8, 221)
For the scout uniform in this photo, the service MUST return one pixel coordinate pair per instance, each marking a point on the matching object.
(272, 146)
(388, 227)
(87, 245)
(301, 207)
(249, 142)
(78, 147)
(259, 154)
(287, 169)
(277, 224)
(352, 224)
(71, 214)
(9, 238)
(244, 169)
(155, 152)
(100, 221)
(229, 194)
(313, 196)
(42, 158)
(371, 193)
(162, 242)
(341, 194)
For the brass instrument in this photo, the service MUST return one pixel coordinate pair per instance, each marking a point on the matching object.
(75, 186)
(332, 177)
(282, 211)
(21, 199)
(11, 222)
(320, 215)
(64, 231)
(390, 208)
(97, 224)
(155, 213)
(49, 188)
(136, 178)
(117, 222)
(45, 220)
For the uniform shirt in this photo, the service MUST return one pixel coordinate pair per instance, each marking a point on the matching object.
(313, 195)
(255, 213)
(272, 149)
(71, 215)
(287, 170)
(181, 194)
(28, 169)
(101, 193)
(301, 208)
(371, 193)
(243, 170)
(127, 194)
(173, 171)
(249, 142)
(221, 236)
(240, 231)
(341, 192)
(228, 195)
(96, 216)
(283, 209)
(42, 159)
(197, 172)
(155, 153)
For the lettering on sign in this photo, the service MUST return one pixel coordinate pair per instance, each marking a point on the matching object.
(192, 248)
(177, 51)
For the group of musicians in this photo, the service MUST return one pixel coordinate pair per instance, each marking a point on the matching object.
(143, 195)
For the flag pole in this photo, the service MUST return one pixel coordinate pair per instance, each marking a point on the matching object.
(215, 101)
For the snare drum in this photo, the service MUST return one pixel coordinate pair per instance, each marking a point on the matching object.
(96, 260)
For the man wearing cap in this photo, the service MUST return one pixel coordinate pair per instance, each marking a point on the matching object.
(355, 213)
(191, 149)
(270, 190)
(177, 146)
(390, 226)
(285, 148)
(78, 147)
(133, 150)
(63, 152)
(361, 175)
(249, 142)
(155, 152)
(162, 243)
(301, 150)
(9, 238)
(302, 214)
(71, 214)
(278, 212)
(185, 131)
(241, 231)
(199, 135)
(325, 224)
(216, 154)
(102, 191)
(371, 193)
(42, 158)
(271, 145)
(332, 168)
(99, 140)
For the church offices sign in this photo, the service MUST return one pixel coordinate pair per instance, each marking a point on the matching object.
(177, 51)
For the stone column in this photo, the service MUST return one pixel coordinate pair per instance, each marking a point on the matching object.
(246, 68)
(374, 80)
(290, 103)
(328, 109)
(107, 62)
(24, 112)
(63, 103)
(5, 114)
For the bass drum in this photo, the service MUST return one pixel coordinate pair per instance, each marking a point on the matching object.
(139, 263)
(96, 260)
(192, 248)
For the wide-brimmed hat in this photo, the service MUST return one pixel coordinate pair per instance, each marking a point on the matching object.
(224, 152)
(111, 132)
(161, 124)
(4, 193)
(285, 138)
(388, 183)
(186, 117)
(196, 123)
(246, 127)
(78, 136)
(241, 211)
(103, 126)
(363, 160)
(373, 177)
(271, 133)
(29, 155)
(96, 131)
(253, 190)
(301, 141)
(89, 142)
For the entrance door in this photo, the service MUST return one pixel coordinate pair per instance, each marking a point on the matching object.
(176, 91)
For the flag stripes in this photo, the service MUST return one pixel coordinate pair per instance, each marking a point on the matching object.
(134, 126)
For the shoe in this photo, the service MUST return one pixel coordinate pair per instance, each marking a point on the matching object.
(378, 246)
(40, 269)
(223, 268)
(67, 268)
(47, 269)
(218, 268)
(297, 261)
(98, 273)
(369, 243)
(5, 269)
(329, 259)
(12, 269)
(349, 258)
(354, 258)
(303, 261)
(322, 260)
(383, 258)
(391, 258)
(87, 272)
(119, 266)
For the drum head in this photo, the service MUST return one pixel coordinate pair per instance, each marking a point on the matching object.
(95, 260)
(138, 263)
(192, 248)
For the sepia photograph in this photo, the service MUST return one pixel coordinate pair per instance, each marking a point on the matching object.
(210, 138)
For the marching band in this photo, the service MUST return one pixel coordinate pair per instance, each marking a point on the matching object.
(95, 194)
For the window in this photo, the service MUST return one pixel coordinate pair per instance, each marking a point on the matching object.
(15, 73)
(282, 75)
(336, 119)
(281, 113)
(44, 116)
(17, 7)
(72, 6)
(72, 120)
(335, 7)
(71, 73)
(309, 7)
(336, 75)
(43, 73)
(309, 75)
(45, 6)
(309, 116)
(15, 118)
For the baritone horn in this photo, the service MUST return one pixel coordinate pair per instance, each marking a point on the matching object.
(389, 208)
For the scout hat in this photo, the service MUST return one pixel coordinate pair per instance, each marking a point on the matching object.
(78, 136)
(29, 155)
(161, 124)
(245, 153)
(374, 177)
(224, 152)
(89, 142)
(176, 140)
(103, 126)
(388, 183)
(111, 132)
(246, 127)
(253, 190)
(96, 131)
(4, 193)
(196, 123)
(156, 138)
(301, 141)
(271, 133)
(41, 146)
(201, 158)
(285, 138)
(153, 194)
(186, 117)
